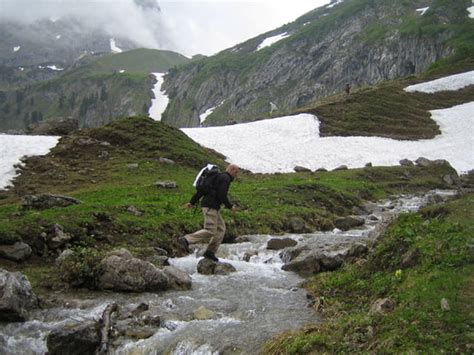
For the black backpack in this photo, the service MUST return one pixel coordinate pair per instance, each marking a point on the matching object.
(206, 178)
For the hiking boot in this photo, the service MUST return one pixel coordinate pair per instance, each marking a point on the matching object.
(185, 244)
(210, 255)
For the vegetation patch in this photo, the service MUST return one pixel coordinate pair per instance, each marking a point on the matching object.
(432, 294)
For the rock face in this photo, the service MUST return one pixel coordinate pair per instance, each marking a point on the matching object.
(321, 53)
(208, 267)
(74, 338)
(16, 252)
(16, 297)
(45, 201)
(281, 243)
(122, 272)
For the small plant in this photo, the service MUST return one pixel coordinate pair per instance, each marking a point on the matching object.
(82, 268)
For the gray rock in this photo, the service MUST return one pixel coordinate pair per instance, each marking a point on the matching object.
(45, 201)
(289, 254)
(357, 250)
(410, 259)
(16, 297)
(445, 305)
(104, 155)
(368, 165)
(58, 238)
(132, 166)
(178, 279)
(63, 256)
(208, 267)
(421, 161)
(301, 169)
(406, 162)
(349, 222)
(202, 313)
(249, 254)
(121, 272)
(280, 243)
(166, 161)
(382, 306)
(297, 225)
(135, 211)
(74, 339)
(330, 262)
(17, 252)
(451, 179)
(342, 167)
(307, 263)
(166, 184)
(321, 170)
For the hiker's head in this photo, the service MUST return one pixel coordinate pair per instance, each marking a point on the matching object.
(232, 169)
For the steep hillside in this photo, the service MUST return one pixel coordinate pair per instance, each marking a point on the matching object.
(356, 41)
(93, 94)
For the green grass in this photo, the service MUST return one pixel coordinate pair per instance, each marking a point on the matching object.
(443, 236)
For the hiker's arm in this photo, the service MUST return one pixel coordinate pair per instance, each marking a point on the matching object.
(196, 197)
(222, 189)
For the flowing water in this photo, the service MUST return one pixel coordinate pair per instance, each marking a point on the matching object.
(249, 306)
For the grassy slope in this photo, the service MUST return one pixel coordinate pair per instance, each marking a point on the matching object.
(443, 237)
(268, 203)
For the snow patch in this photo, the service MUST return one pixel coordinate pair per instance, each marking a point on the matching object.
(422, 10)
(21, 68)
(16, 49)
(208, 112)
(278, 145)
(122, 71)
(448, 83)
(113, 46)
(54, 67)
(267, 42)
(13, 147)
(334, 4)
(58, 37)
(471, 11)
(160, 102)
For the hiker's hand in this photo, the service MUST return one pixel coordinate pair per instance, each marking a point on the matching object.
(189, 205)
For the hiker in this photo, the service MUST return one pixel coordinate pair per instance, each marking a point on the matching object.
(214, 225)
(348, 89)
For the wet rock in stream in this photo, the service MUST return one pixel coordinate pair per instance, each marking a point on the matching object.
(79, 338)
(209, 267)
(17, 298)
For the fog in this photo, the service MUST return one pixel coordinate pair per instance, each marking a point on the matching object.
(187, 26)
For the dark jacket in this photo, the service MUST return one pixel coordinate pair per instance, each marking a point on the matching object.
(218, 195)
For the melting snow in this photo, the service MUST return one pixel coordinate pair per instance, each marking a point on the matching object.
(21, 68)
(422, 10)
(334, 4)
(204, 115)
(58, 36)
(278, 145)
(113, 46)
(159, 103)
(54, 67)
(267, 42)
(448, 83)
(16, 49)
(122, 71)
(13, 147)
(471, 11)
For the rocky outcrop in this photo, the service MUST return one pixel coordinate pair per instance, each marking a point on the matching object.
(45, 201)
(17, 252)
(320, 55)
(16, 297)
(74, 338)
(123, 272)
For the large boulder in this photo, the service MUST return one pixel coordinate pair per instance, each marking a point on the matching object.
(74, 339)
(122, 272)
(209, 267)
(280, 243)
(307, 263)
(289, 254)
(349, 222)
(178, 279)
(44, 201)
(16, 297)
(16, 252)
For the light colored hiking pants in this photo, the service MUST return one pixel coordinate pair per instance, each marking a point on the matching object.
(213, 231)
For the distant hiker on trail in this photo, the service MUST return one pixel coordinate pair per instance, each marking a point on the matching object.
(348, 88)
(214, 225)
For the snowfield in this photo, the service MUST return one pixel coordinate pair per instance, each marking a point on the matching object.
(159, 103)
(280, 144)
(267, 42)
(13, 147)
(448, 83)
(113, 47)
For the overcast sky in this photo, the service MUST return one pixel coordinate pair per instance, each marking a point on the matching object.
(187, 26)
